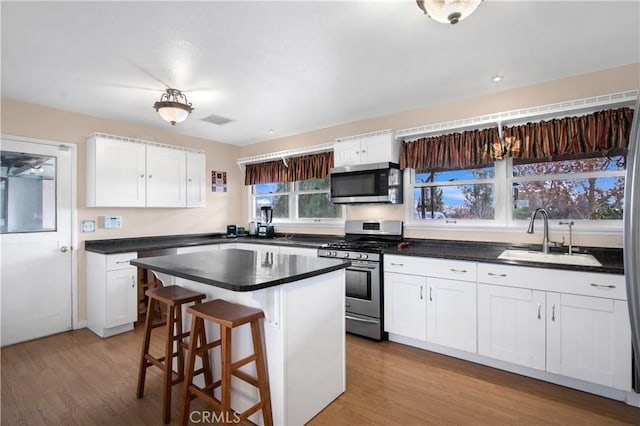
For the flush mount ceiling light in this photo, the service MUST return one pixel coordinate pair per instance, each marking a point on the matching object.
(448, 11)
(173, 106)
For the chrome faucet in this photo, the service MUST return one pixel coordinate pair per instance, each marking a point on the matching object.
(545, 233)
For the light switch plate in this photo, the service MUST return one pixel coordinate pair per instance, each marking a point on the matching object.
(88, 226)
(111, 222)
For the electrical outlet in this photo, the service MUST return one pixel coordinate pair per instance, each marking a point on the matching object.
(88, 226)
(111, 222)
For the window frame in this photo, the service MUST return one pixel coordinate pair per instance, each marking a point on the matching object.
(452, 223)
(294, 218)
(595, 225)
(503, 181)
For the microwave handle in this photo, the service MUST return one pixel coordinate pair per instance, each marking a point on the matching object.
(349, 317)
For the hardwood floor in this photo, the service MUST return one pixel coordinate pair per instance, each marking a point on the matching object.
(77, 378)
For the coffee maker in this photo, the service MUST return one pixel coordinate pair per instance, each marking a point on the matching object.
(265, 228)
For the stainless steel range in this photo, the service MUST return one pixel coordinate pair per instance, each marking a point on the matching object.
(363, 244)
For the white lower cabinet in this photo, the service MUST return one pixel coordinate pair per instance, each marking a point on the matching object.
(111, 293)
(588, 339)
(451, 313)
(431, 300)
(561, 326)
(405, 308)
(511, 325)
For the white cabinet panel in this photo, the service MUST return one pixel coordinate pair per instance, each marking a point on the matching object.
(346, 153)
(120, 297)
(112, 293)
(587, 339)
(302, 251)
(116, 173)
(196, 179)
(451, 313)
(405, 308)
(196, 249)
(511, 324)
(166, 177)
(123, 172)
(371, 148)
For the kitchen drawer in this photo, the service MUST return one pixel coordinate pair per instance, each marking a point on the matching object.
(429, 267)
(120, 260)
(575, 282)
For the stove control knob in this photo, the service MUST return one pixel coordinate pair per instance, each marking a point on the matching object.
(346, 255)
(363, 256)
(334, 254)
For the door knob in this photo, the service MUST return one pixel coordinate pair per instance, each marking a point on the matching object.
(64, 249)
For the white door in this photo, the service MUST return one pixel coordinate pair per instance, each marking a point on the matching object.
(196, 179)
(451, 313)
(511, 325)
(166, 177)
(35, 219)
(405, 309)
(588, 338)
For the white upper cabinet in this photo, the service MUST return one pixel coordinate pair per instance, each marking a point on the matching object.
(116, 173)
(196, 179)
(378, 147)
(166, 177)
(125, 172)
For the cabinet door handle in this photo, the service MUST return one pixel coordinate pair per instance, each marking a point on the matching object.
(430, 294)
(120, 262)
(462, 271)
(553, 312)
(491, 274)
(142, 176)
(363, 151)
(150, 176)
(539, 305)
(602, 285)
(397, 264)
(133, 282)
(421, 293)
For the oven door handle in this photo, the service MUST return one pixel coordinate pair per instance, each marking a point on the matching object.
(349, 317)
(363, 267)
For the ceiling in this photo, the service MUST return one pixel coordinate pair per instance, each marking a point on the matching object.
(295, 66)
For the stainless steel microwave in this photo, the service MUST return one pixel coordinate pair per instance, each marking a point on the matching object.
(367, 183)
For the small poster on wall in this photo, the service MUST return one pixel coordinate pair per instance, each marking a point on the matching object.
(218, 181)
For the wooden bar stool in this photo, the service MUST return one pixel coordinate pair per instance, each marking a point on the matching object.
(227, 316)
(173, 297)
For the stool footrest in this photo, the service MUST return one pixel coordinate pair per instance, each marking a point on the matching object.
(249, 411)
(199, 393)
(158, 362)
(246, 360)
(247, 378)
(159, 324)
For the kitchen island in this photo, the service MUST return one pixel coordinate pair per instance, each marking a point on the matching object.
(304, 330)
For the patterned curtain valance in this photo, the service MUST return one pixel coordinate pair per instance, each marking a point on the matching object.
(472, 148)
(298, 168)
(604, 132)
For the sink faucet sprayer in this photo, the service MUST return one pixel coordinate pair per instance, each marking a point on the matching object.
(545, 233)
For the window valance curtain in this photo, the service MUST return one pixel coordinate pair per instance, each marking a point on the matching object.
(604, 132)
(472, 148)
(298, 168)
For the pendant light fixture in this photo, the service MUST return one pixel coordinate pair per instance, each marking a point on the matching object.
(173, 106)
(448, 11)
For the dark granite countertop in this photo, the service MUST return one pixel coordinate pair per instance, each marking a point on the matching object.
(123, 245)
(241, 270)
(610, 258)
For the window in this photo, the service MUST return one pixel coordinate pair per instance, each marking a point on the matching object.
(301, 201)
(583, 189)
(454, 194)
(27, 193)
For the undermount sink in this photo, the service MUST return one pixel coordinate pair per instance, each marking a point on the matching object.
(538, 256)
